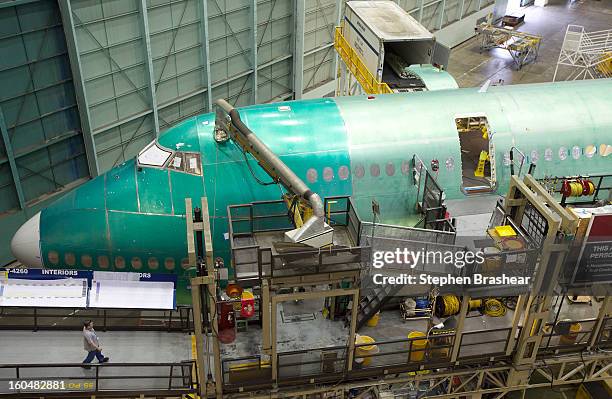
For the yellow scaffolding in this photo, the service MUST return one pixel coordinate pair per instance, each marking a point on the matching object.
(354, 64)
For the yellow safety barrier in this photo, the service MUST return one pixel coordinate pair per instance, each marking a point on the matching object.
(357, 67)
(482, 159)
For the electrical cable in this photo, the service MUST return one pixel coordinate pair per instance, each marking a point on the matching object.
(257, 179)
(449, 306)
(291, 210)
(494, 308)
(475, 304)
(509, 302)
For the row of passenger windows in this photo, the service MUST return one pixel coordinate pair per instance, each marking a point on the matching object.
(154, 155)
(312, 175)
(119, 262)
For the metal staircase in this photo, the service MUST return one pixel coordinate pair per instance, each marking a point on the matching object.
(377, 296)
(585, 55)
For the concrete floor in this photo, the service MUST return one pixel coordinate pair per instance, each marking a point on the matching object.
(23, 347)
(470, 68)
(49, 347)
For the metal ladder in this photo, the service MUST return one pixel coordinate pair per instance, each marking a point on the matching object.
(372, 302)
(589, 53)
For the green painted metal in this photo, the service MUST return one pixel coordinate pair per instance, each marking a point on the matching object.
(373, 138)
(434, 78)
(537, 117)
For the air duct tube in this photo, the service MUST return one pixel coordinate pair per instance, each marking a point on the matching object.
(314, 232)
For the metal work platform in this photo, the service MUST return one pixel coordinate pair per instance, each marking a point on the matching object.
(140, 362)
(258, 250)
(522, 47)
(482, 340)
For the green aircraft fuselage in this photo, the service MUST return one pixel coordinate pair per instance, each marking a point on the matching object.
(132, 218)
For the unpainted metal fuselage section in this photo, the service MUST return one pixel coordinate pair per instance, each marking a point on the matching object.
(132, 218)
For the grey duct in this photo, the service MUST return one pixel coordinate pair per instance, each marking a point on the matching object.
(313, 226)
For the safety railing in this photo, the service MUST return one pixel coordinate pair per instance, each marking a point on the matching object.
(109, 379)
(351, 59)
(601, 181)
(406, 354)
(36, 318)
(253, 260)
(604, 340)
(320, 364)
(490, 343)
(519, 265)
(313, 261)
(245, 371)
(415, 354)
(566, 336)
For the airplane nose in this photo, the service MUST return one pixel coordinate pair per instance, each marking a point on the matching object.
(25, 244)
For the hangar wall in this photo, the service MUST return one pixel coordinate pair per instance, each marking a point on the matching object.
(87, 83)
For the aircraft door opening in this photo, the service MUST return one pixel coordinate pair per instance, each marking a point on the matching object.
(477, 154)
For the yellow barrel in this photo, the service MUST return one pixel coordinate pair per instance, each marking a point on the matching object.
(492, 262)
(373, 322)
(570, 338)
(364, 350)
(417, 352)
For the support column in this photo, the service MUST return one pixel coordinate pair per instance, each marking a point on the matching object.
(11, 159)
(206, 53)
(298, 49)
(254, 50)
(421, 11)
(339, 5)
(265, 317)
(196, 303)
(273, 355)
(351, 343)
(150, 76)
(463, 311)
(518, 312)
(441, 14)
(79, 86)
(212, 298)
(196, 294)
(604, 311)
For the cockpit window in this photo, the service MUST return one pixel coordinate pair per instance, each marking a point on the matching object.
(153, 155)
(189, 162)
(177, 162)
